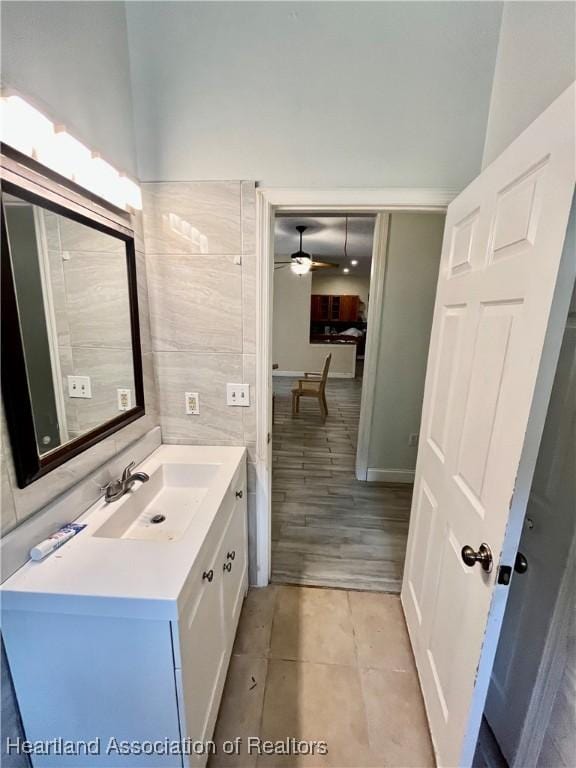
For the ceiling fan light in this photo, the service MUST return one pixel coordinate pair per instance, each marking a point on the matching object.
(301, 265)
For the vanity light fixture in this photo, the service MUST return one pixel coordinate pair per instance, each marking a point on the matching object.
(64, 154)
(345, 270)
(30, 132)
(23, 127)
(103, 180)
(354, 263)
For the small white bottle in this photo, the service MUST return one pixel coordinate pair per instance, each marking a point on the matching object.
(55, 541)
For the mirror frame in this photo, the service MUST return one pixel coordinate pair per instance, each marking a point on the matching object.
(28, 464)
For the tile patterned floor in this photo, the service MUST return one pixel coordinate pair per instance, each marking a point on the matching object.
(328, 528)
(326, 665)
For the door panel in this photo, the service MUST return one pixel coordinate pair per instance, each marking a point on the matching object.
(483, 413)
(201, 638)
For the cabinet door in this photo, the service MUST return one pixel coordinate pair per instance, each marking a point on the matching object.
(349, 309)
(315, 308)
(335, 307)
(202, 646)
(320, 308)
(233, 556)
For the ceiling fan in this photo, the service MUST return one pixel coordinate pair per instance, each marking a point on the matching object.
(301, 262)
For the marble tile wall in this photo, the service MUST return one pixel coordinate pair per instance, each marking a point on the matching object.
(89, 285)
(200, 255)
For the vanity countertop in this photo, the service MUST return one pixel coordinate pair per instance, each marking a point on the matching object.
(95, 575)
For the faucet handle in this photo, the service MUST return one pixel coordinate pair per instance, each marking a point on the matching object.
(128, 471)
(112, 490)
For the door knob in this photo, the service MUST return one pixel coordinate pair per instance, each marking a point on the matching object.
(520, 564)
(483, 556)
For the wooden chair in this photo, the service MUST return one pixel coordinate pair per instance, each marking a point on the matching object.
(312, 385)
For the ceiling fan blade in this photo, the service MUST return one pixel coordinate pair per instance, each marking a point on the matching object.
(316, 265)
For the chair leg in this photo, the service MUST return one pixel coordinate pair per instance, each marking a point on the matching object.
(325, 403)
(323, 411)
(294, 404)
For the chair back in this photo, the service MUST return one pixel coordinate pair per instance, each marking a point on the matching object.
(325, 372)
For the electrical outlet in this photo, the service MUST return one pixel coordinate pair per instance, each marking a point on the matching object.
(192, 402)
(238, 394)
(79, 386)
(124, 399)
(413, 439)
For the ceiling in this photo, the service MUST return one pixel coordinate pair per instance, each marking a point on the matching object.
(324, 239)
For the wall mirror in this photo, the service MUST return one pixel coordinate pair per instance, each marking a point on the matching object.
(71, 359)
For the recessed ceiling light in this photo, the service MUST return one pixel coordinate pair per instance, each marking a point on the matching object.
(354, 262)
(345, 270)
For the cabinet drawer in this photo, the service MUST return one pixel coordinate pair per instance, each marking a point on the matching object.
(190, 594)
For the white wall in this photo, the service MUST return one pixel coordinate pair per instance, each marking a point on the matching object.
(71, 60)
(312, 93)
(291, 347)
(328, 284)
(536, 61)
(412, 263)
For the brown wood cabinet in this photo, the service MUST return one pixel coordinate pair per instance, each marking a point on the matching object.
(343, 309)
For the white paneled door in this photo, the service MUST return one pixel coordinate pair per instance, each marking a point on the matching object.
(503, 294)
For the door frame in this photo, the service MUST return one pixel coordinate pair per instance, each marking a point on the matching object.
(269, 202)
(375, 305)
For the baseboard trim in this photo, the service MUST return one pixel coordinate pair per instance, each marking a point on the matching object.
(390, 475)
(300, 374)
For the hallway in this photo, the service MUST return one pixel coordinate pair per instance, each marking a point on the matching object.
(329, 529)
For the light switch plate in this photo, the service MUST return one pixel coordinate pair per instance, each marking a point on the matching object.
(192, 402)
(413, 439)
(238, 394)
(79, 386)
(124, 399)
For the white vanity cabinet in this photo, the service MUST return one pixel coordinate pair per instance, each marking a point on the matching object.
(206, 627)
(147, 663)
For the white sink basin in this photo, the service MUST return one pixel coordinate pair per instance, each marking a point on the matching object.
(163, 508)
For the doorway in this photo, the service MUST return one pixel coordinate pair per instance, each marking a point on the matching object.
(341, 495)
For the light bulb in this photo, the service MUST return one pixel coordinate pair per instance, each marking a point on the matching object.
(23, 127)
(103, 180)
(64, 154)
(354, 263)
(301, 265)
(132, 193)
(345, 270)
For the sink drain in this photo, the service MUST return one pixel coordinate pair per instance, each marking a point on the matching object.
(158, 519)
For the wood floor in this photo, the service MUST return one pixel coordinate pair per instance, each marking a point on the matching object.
(329, 529)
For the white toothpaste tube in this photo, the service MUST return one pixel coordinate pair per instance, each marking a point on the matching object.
(55, 541)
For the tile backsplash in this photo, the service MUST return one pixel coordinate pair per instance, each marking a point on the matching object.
(200, 254)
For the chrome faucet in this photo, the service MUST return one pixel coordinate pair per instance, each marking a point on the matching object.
(117, 488)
